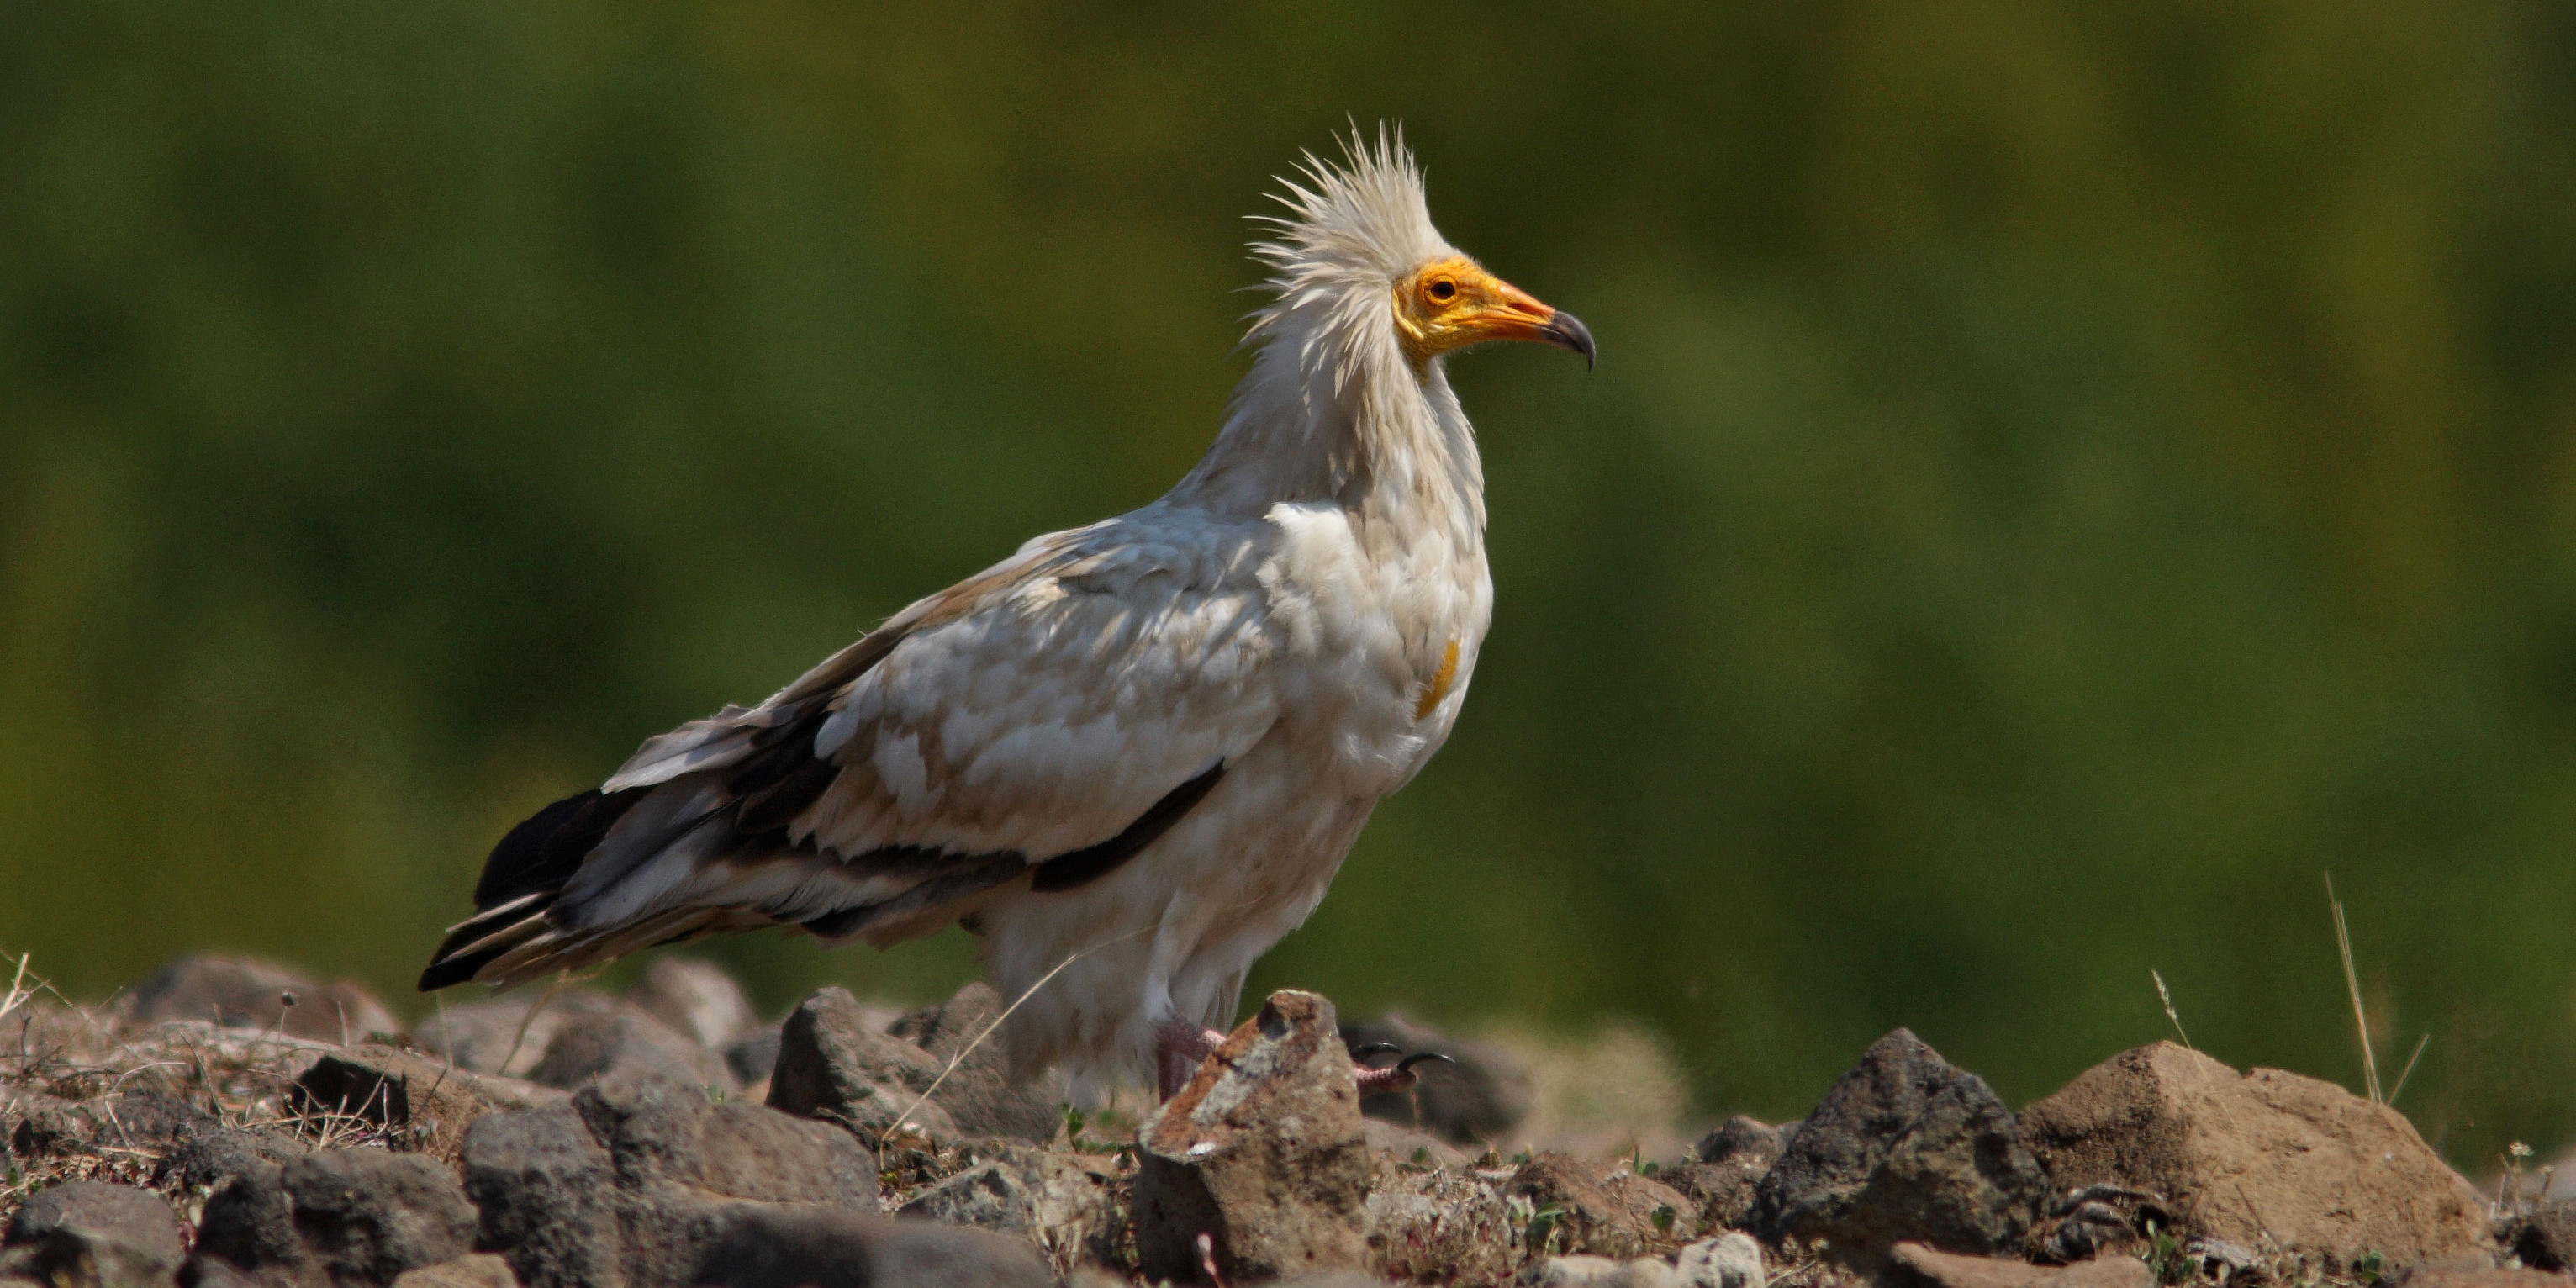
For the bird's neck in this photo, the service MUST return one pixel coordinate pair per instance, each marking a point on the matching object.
(1346, 419)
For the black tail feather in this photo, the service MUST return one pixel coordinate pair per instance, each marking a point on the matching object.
(537, 857)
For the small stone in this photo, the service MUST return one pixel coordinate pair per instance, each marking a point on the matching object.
(1602, 1209)
(473, 1270)
(697, 1000)
(1262, 1151)
(140, 1219)
(2545, 1237)
(587, 1048)
(241, 993)
(1728, 1168)
(402, 1091)
(1479, 1095)
(1746, 1142)
(833, 1066)
(1905, 1147)
(1582, 1271)
(1917, 1266)
(1439, 1226)
(2262, 1159)
(1731, 1260)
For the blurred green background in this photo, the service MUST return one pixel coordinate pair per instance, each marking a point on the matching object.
(2061, 478)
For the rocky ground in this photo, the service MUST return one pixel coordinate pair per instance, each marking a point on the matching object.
(230, 1123)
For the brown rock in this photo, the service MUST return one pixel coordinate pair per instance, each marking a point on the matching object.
(1730, 1165)
(403, 1090)
(2544, 1238)
(590, 1047)
(1447, 1225)
(2268, 1156)
(1918, 1266)
(1600, 1208)
(141, 1219)
(1262, 1151)
(509, 1034)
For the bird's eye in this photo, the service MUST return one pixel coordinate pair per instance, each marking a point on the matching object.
(1441, 290)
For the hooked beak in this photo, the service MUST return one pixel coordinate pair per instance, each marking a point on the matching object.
(1517, 315)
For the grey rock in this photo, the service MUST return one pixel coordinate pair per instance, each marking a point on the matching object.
(751, 1059)
(1263, 1151)
(1731, 1260)
(635, 1178)
(238, 992)
(2545, 1237)
(978, 1094)
(208, 1158)
(1480, 1096)
(1582, 1271)
(473, 1270)
(695, 999)
(1728, 1167)
(833, 1066)
(1905, 1147)
(587, 1048)
(1602, 1209)
(139, 1219)
(794, 1247)
(339, 1217)
(74, 1256)
(506, 1035)
(548, 1198)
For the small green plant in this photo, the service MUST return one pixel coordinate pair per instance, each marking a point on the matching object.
(1422, 1155)
(2369, 1268)
(2166, 1257)
(1663, 1218)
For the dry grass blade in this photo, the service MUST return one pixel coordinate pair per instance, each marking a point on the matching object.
(2165, 996)
(2409, 1070)
(2352, 983)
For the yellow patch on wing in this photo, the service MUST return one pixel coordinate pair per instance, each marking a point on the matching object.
(1439, 686)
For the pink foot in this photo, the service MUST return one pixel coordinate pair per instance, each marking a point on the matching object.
(1395, 1077)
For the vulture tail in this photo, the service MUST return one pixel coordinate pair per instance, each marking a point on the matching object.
(521, 880)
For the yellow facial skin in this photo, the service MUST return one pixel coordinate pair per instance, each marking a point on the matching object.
(1447, 306)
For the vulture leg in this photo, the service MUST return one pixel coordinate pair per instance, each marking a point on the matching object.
(1180, 1047)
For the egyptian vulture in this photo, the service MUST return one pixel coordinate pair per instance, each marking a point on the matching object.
(1142, 747)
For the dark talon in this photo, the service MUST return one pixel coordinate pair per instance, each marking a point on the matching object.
(1406, 1064)
(1364, 1050)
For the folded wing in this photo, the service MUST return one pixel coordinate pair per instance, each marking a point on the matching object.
(1050, 716)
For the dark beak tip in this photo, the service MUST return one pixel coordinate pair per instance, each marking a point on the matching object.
(1568, 332)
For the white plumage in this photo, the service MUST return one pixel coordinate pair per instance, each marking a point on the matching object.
(1143, 746)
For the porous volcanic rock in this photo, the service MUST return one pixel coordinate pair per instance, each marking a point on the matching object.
(2544, 1238)
(978, 1094)
(1045, 1198)
(833, 1065)
(1728, 1167)
(139, 1219)
(590, 1047)
(635, 1180)
(1731, 1260)
(344, 1217)
(1262, 1151)
(473, 1270)
(2266, 1158)
(1905, 1147)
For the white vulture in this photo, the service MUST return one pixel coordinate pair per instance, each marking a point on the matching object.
(1136, 751)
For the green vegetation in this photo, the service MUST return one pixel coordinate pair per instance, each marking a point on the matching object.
(2059, 477)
